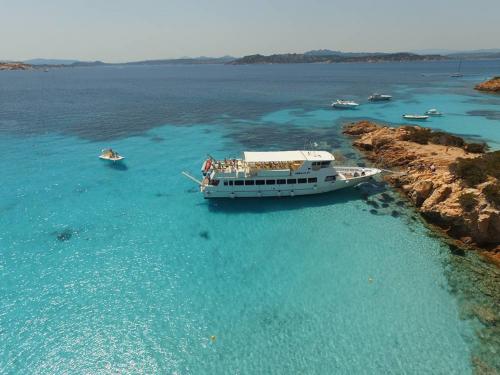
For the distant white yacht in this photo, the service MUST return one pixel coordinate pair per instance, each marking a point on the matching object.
(277, 174)
(376, 97)
(458, 74)
(416, 117)
(433, 112)
(345, 104)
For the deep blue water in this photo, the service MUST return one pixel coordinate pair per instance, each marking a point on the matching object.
(128, 269)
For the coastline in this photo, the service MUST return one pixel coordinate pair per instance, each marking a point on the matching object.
(435, 193)
(465, 211)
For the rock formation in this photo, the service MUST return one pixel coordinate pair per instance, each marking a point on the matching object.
(14, 66)
(455, 189)
(491, 85)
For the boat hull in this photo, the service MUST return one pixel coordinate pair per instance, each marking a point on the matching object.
(120, 158)
(416, 118)
(280, 190)
(345, 106)
(380, 99)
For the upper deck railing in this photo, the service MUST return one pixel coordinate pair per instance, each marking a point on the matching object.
(234, 165)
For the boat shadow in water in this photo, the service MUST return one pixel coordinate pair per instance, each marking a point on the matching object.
(119, 166)
(269, 204)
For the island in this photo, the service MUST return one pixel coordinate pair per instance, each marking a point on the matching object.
(491, 85)
(15, 66)
(300, 58)
(453, 184)
(322, 56)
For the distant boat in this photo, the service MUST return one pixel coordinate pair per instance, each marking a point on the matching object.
(416, 117)
(379, 97)
(110, 154)
(345, 104)
(433, 112)
(458, 74)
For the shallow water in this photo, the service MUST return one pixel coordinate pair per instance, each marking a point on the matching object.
(127, 268)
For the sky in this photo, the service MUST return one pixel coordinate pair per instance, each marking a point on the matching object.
(127, 30)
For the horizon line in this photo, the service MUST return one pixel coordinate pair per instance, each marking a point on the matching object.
(423, 51)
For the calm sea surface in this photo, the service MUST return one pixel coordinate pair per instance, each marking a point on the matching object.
(127, 269)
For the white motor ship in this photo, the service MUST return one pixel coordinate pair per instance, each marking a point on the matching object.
(277, 174)
(345, 104)
(433, 112)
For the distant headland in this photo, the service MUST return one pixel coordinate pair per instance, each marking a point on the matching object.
(325, 56)
(322, 57)
(41, 64)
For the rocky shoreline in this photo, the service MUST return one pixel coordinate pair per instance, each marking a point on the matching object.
(491, 85)
(15, 66)
(453, 184)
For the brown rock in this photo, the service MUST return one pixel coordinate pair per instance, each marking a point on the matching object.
(359, 128)
(438, 196)
(420, 191)
(485, 314)
(426, 179)
(14, 66)
(492, 85)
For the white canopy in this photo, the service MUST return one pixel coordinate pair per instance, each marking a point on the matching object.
(276, 156)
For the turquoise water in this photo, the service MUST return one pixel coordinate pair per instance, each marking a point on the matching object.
(128, 269)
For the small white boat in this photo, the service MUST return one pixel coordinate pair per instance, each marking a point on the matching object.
(110, 154)
(379, 97)
(433, 112)
(416, 117)
(345, 104)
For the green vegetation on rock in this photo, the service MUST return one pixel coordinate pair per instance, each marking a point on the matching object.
(468, 201)
(492, 193)
(424, 136)
(476, 170)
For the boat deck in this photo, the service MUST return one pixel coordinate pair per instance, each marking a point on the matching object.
(238, 165)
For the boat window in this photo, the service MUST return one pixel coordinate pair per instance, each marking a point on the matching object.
(312, 179)
(270, 182)
(325, 164)
(315, 163)
(238, 182)
(214, 182)
(302, 180)
(281, 182)
(260, 182)
(226, 183)
(249, 182)
(230, 183)
(291, 181)
(330, 178)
